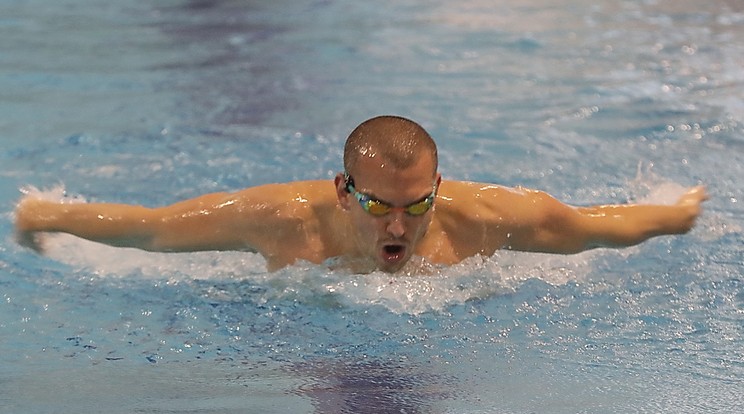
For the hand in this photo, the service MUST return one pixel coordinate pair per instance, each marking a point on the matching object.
(25, 232)
(690, 203)
(693, 196)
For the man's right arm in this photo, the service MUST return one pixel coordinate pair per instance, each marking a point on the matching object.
(219, 221)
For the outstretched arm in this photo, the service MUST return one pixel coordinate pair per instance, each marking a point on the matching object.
(550, 226)
(196, 224)
(253, 219)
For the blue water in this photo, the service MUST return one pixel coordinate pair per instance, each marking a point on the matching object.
(592, 101)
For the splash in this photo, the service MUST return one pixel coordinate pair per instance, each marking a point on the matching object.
(473, 279)
(433, 289)
(57, 194)
(650, 188)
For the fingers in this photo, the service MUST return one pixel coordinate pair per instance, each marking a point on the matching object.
(690, 205)
(694, 195)
(700, 192)
(26, 213)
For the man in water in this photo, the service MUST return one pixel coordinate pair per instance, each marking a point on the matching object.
(389, 205)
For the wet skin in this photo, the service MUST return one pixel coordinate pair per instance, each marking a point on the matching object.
(318, 220)
(388, 241)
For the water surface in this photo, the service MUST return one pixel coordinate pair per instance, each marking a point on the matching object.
(594, 102)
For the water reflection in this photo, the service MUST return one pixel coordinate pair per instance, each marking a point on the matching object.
(371, 386)
(236, 72)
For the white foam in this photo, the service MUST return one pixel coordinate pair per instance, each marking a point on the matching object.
(56, 193)
(649, 188)
(432, 289)
(475, 278)
(107, 261)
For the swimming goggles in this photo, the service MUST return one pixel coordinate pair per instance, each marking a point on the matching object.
(379, 208)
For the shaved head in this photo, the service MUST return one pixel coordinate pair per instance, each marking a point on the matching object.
(398, 141)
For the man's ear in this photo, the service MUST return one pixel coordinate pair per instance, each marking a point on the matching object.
(341, 193)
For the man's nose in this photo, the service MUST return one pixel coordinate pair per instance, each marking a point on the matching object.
(396, 224)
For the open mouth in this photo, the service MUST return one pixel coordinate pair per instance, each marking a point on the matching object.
(393, 249)
(393, 252)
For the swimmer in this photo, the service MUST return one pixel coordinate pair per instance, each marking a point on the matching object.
(389, 205)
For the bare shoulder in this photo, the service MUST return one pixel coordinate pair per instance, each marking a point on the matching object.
(290, 203)
(289, 221)
(309, 193)
(255, 211)
(478, 218)
(475, 189)
(482, 199)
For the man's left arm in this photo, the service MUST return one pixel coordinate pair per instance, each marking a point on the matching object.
(553, 227)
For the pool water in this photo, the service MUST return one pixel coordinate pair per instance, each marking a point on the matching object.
(592, 101)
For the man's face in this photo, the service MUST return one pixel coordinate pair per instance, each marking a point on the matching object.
(389, 240)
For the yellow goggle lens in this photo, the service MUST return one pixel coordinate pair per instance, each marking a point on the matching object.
(419, 208)
(376, 208)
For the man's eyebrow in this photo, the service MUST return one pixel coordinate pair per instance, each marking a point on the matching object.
(372, 197)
